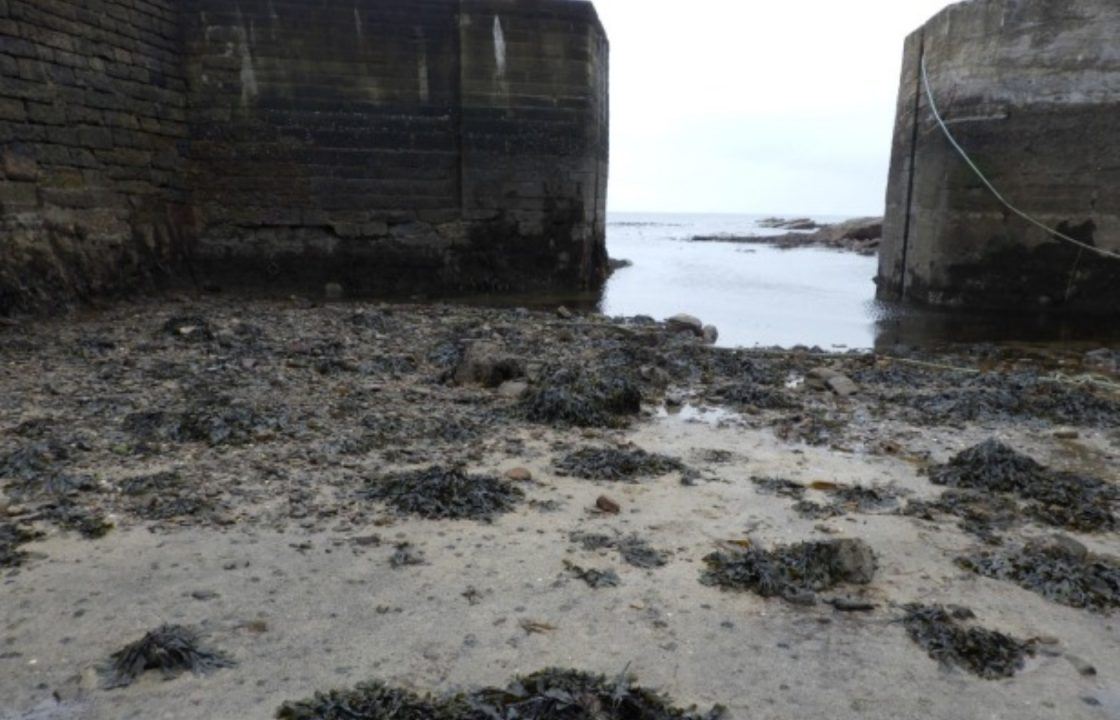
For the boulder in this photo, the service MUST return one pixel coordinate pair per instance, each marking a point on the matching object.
(487, 364)
(513, 389)
(710, 334)
(854, 561)
(683, 323)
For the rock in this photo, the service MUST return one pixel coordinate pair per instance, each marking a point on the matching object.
(1082, 667)
(818, 377)
(686, 323)
(519, 474)
(1067, 433)
(333, 291)
(855, 561)
(710, 334)
(842, 385)
(825, 378)
(513, 389)
(18, 163)
(1060, 545)
(486, 364)
(564, 313)
(608, 505)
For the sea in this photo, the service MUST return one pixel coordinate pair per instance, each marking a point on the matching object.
(755, 295)
(758, 295)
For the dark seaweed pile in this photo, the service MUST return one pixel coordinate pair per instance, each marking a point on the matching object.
(440, 493)
(1061, 499)
(583, 398)
(171, 649)
(617, 464)
(547, 695)
(793, 572)
(842, 498)
(215, 421)
(633, 549)
(1054, 570)
(1009, 396)
(987, 653)
(12, 536)
(750, 396)
(69, 515)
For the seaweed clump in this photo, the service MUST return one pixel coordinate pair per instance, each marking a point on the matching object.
(633, 549)
(616, 464)
(1059, 569)
(779, 486)
(986, 653)
(981, 514)
(595, 578)
(794, 572)
(1061, 499)
(577, 397)
(171, 649)
(548, 695)
(440, 493)
(12, 536)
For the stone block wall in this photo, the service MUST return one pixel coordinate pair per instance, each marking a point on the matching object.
(399, 146)
(93, 193)
(1030, 88)
(392, 146)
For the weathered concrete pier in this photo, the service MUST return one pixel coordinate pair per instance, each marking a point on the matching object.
(1030, 89)
(388, 146)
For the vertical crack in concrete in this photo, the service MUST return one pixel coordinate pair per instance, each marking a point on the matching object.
(913, 169)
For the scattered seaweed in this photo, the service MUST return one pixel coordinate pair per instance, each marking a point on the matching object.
(1059, 569)
(171, 649)
(843, 499)
(548, 695)
(794, 572)
(863, 499)
(986, 653)
(441, 493)
(216, 421)
(1061, 499)
(12, 536)
(595, 579)
(811, 428)
(87, 522)
(617, 464)
(578, 397)
(406, 555)
(984, 515)
(779, 486)
(633, 549)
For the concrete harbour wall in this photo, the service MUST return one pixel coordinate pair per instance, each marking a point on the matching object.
(1031, 89)
(390, 146)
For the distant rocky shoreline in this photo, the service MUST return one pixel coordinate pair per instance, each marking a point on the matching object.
(861, 235)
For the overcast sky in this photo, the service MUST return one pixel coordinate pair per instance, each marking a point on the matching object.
(783, 106)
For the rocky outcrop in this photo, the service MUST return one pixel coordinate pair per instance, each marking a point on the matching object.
(860, 235)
